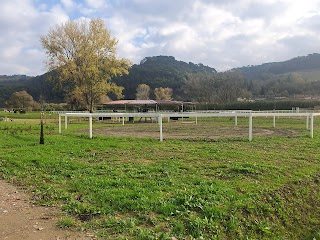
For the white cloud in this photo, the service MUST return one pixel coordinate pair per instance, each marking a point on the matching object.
(21, 25)
(219, 33)
(96, 3)
(68, 4)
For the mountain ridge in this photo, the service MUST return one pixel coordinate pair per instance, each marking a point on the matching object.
(300, 63)
(160, 71)
(299, 75)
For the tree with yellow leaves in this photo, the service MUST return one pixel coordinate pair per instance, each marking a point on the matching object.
(163, 93)
(143, 92)
(83, 54)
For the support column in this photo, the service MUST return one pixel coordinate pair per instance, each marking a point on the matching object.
(250, 127)
(90, 126)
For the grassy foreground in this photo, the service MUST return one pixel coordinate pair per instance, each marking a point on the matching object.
(139, 188)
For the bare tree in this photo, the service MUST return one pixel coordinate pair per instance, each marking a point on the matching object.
(201, 87)
(215, 88)
(230, 86)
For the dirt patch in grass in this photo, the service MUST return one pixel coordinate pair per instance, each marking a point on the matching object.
(178, 130)
(20, 219)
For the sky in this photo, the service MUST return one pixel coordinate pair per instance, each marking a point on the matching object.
(222, 34)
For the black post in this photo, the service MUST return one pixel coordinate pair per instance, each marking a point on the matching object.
(41, 131)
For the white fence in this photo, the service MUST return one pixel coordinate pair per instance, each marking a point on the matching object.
(159, 116)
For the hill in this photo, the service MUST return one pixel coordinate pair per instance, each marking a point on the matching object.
(160, 71)
(35, 86)
(11, 84)
(298, 64)
(297, 76)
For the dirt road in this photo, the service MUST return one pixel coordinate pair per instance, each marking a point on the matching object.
(21, 220)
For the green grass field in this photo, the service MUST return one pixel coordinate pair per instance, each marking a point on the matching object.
(198, 188)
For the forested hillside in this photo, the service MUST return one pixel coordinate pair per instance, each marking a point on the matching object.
(35, 86)
(11, 84)
(160, 71)
(305, 63)
(296, 77)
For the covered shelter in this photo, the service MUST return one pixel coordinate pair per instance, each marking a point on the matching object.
(148, 105)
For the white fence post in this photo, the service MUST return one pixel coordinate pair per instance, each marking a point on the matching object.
(311, 125)
(90, 126)
(59, 123)
(65, 122)
(250, 127)
(307, 122)
(236, 120)
(274, 121)
(160, 124)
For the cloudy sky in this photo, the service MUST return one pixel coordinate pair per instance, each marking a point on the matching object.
(219, 33)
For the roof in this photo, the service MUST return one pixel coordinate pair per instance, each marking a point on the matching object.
(145, 102)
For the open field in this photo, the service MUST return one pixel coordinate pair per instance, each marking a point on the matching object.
(205, 181)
